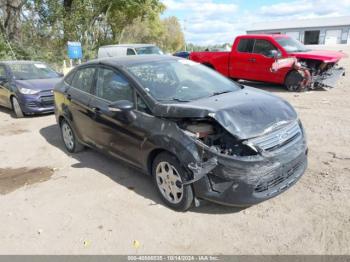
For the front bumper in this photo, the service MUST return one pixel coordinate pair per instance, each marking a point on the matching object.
(329, 78)
(41, 103)
(251, 180)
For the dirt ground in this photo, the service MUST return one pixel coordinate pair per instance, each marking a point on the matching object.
(55, 203)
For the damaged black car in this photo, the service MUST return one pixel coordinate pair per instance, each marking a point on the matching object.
(198, 134)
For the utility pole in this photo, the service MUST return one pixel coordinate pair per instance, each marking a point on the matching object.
(184, 25)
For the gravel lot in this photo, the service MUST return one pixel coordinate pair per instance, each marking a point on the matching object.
(55, 203)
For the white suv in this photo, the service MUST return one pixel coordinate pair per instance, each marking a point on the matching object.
(128, 49)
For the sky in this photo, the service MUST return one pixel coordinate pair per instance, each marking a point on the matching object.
(207, 22)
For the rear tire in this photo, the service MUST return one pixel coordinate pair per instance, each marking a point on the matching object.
(69, 138)
(293, 81)
(168, 175)
(16, 108)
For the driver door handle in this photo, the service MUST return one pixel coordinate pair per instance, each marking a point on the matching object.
(253, 60)
(96, 110)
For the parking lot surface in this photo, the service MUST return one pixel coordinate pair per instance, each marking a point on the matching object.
(52, 202)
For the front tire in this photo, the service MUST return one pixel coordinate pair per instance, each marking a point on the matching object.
(17, 108)
(293, 81)
(69, 138)
(168, 175)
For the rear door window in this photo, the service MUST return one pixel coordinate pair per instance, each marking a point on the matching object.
(263, 47)
(113, 86)
(245, 45)
(83, 79)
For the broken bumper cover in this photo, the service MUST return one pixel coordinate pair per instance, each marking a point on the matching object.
(330, 78)
(254, 179)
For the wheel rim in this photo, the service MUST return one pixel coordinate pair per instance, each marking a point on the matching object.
(16, 107)
(169, 182)
(293, 87)
(68, 137)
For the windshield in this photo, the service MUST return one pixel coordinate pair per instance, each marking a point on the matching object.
(291, 45)
(28, 71)
(180, 80)
(149, 50)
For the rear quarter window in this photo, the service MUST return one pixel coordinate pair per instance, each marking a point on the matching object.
(83, 79)
(245, 45)
(68, 78)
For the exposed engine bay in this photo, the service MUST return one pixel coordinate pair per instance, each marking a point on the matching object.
(217, 138)
(309, 74)
(322, 75)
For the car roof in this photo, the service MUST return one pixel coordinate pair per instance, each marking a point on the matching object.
(263, 35)
(16, 62)
(127, 45)
(132, 60)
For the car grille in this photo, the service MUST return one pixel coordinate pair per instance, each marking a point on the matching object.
(31, 104)
(278, 138)
(46, 93)
(47, 100)
(278, 178)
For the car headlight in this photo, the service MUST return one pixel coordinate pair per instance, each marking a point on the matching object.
(27, 91)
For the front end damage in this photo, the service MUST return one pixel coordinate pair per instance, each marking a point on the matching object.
(328, 78)
(310, 74)
(245, 172)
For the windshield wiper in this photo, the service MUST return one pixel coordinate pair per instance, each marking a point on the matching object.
(221, 92)
(174, 99)
(180, 100)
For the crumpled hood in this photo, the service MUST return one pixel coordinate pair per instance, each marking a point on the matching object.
(323, 55)
(245, 113)
(38, 84)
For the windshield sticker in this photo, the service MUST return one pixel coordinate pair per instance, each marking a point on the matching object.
(40, 66)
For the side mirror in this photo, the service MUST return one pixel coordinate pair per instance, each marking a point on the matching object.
(274, 54)
(123, 110)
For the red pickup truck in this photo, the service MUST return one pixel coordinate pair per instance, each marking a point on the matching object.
(276, 59)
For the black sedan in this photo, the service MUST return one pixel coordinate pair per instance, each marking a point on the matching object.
(27, 87)
(198, 134)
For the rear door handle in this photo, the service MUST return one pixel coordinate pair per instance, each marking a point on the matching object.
(252, 60)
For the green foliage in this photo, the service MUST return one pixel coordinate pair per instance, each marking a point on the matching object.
(165, 33)
(45, 26)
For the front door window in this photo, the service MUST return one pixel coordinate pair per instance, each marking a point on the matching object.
(112, 86)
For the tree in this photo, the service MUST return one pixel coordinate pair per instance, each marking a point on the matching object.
(173, 39)
(40, 29)
(165, 33)
(10, 11)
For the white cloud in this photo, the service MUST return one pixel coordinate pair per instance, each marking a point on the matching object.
(201, 8)
(300, 8)
(207, 22)
(204, 21)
